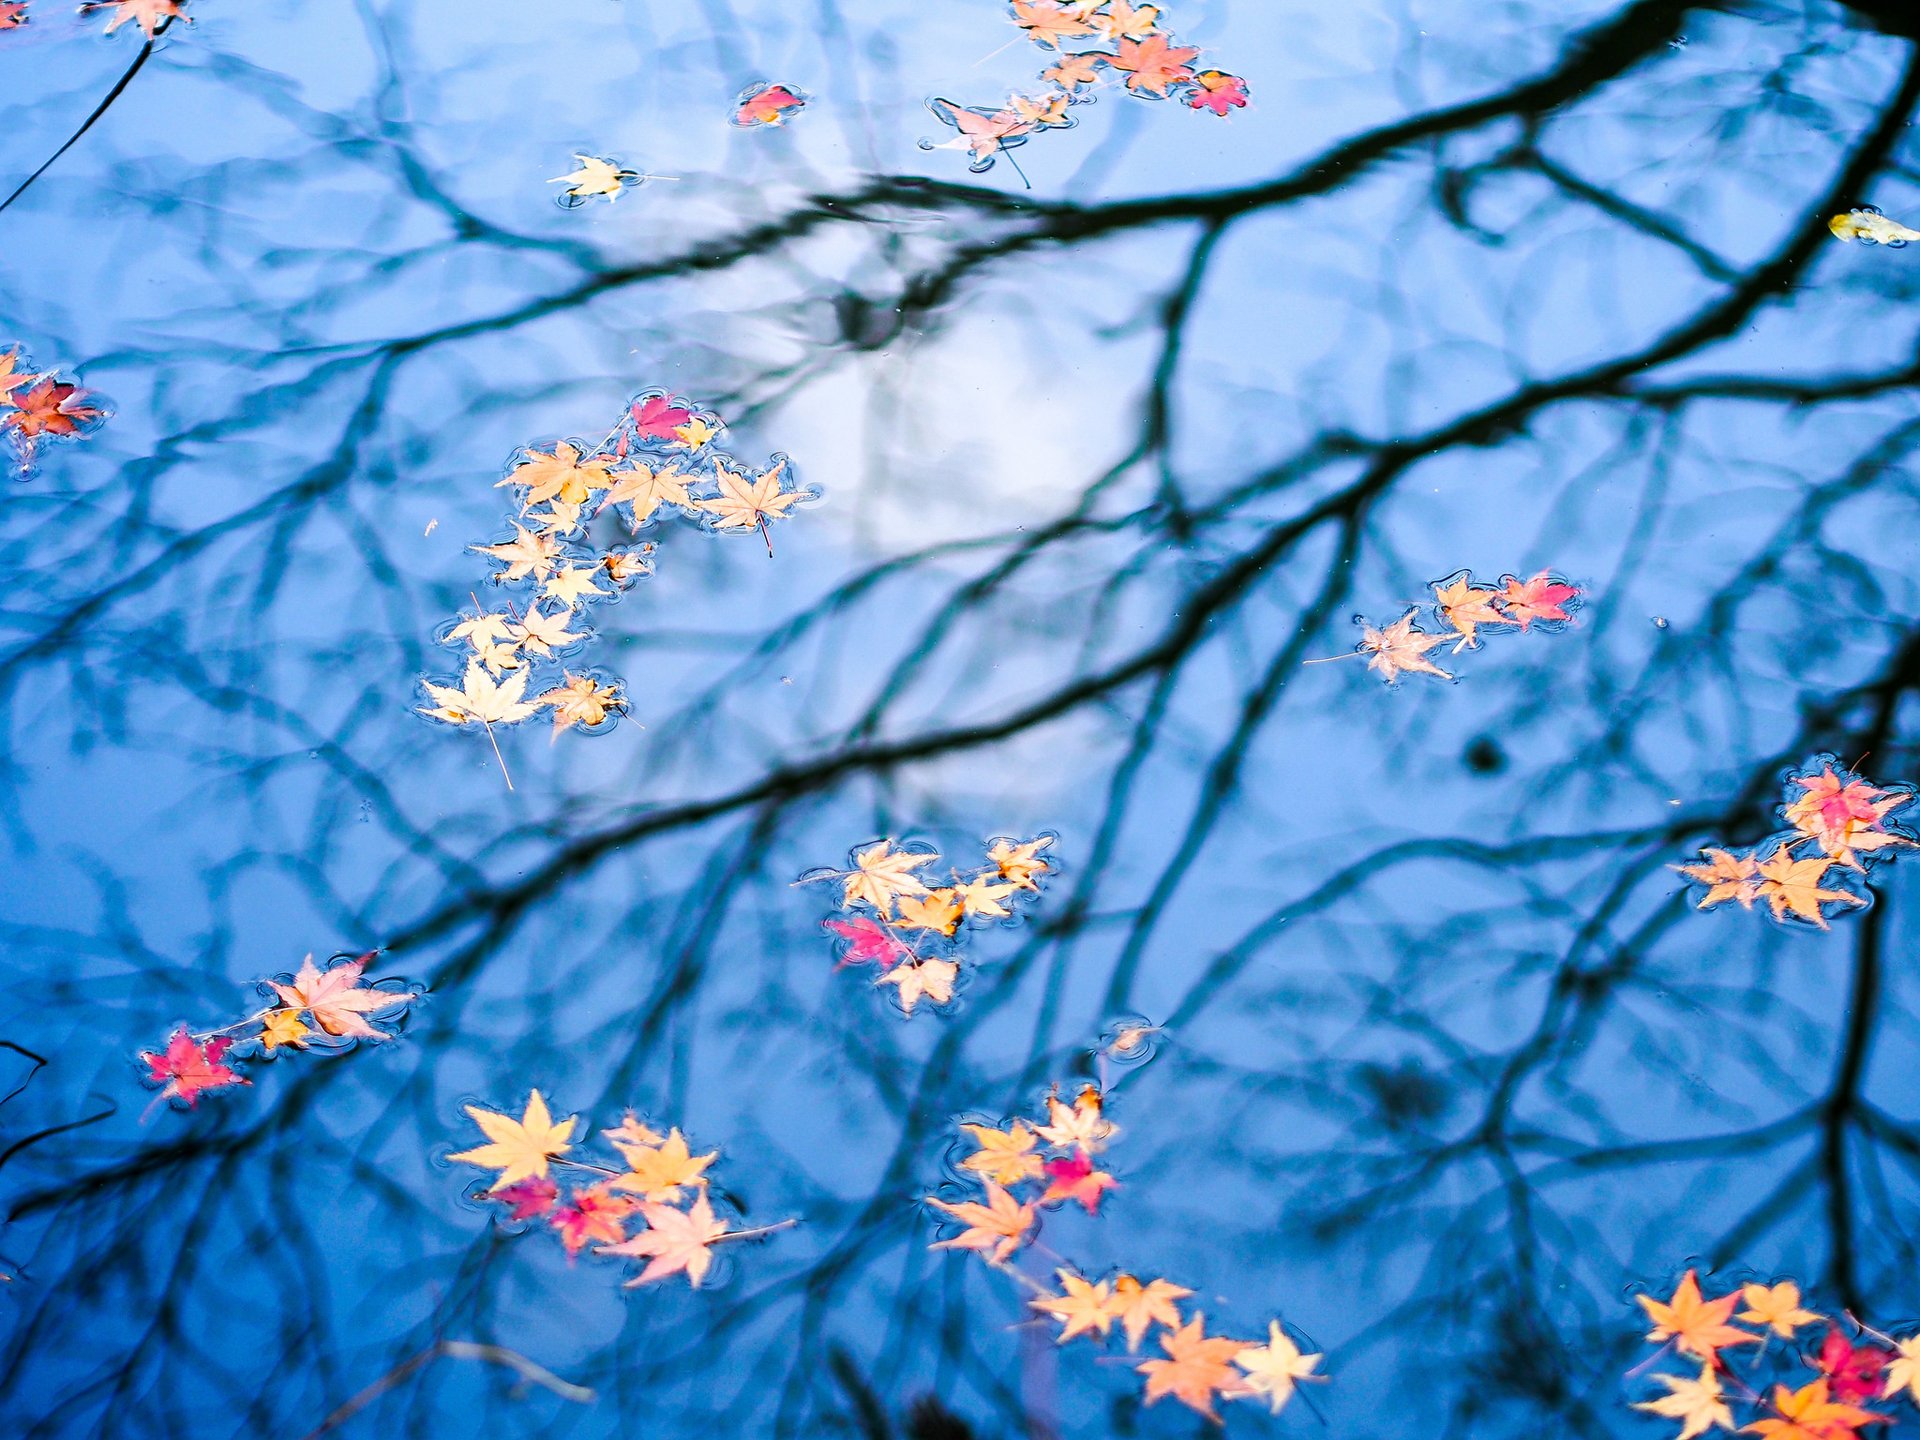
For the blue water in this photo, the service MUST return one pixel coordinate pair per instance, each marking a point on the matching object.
(1449, 1063)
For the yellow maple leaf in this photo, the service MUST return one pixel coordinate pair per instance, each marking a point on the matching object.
(748, 505)
(1073, 71)
(479, 698)
(518, 1149)
(695, 433)
(1197, 1367)
(1080, 1125)
(647, 489)
(995, 1229)
(881, 875)
(982, 897)
(528, 553)
(560, 474)
(582, 700)
(1020, 863)
(1274, 1368)
(283, 1027)
(1082, 1308)
(1466, 606)
(936, 910)
(1726, 876)
(1793, 886)
(1143, 1305)
(594, 177)
(1050, 110)
(659, 1172)
(1697, 1404)
(1124, 21)
(543, 634)
(1005, 1156)
(932, 979)
(1777, 1307)
(1869, 225)
(1903, 1371)
(1807, 1414)
(571, 585)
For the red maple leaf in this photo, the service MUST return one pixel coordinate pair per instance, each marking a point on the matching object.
(1075, 1178)
(869, 941)
(13, 16)
(767, 105)
(187, 1067)
(595, 1214)
(527, 1198)
(1541, 598)
(1217, 91)
(655, 419)
(1856, 1371)
(50, 408)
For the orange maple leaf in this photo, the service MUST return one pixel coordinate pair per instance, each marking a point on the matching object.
(1793, 886)
(1197, 1368)
(1152, 65)
(1726, 876)
(1807, 1414)
(50, 408)
(1046, 23)
(149, 15)
(995, 1229)
(1695, 1325)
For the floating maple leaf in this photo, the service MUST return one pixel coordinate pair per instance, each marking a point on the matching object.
(150, 15)
(1074, 1178)
(49, 407)
(528, 553)
(1792, 887)
(660, 1172)
(744, 504)
(13, 15)
(983, 133)
(675, 1242)
(881, 875)
(996, 1229)
(655, 417)
(1082, 1308)
(1019, 863)
(644, 490)
(1005, 1156)
(1046, 22)
(1696, 1325)
(1853, 1371)
(593, 1215)
(1197, 1367)
(1143, 1305)
(1466, 606)
(1698, 1404)
(562, 474)
(1775, 1306)
(1807, 1414)
(1274, 1368)
(582, 701)
(1541, 598)
(283, 1027)
(1869, 226)
(1122, 20)
(594, 177)
(767, 104)
(337, 1001)
(188, 1067)
(528, 1199)
(479, 698)
(1217, 91)
(1399, 649)
(1726, 876)
(1844, 814)
(869, 942)
(1073, 71)
(11, 376)
(937, 910)
(1081, 1125)
(1903, 1372)
(1151, 65)
(518, 1149)
(931, 979)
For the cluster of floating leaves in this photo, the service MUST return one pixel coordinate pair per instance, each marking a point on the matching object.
(1849, 1372)
(915, 932)
(1130, 41)
(659, 459)
(1870, 227)
(1026, 1166)
(661, 1185)
(152, 16)
(1837, 827)
(312, 1010)
(1545, 602)
(37, 406)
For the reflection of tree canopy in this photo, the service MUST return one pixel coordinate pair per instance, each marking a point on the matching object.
(1458, 1057)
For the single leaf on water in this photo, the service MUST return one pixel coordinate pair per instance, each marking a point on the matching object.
(674, 1242)
(1218, 91)
(1273, 1369)
(1792, 887)
(593, 1216)
(1853, 1371)
(1141, 1305)
(1046, 22)
(337, 1000)
(766, 104)
(1122, 20)
(1400, 649)
(1005, 1156)
(1074, 1178)
(869, 942)
(937, 910)
(1081, 1125)
(1698, 1404)
(527, 1199)
(1871, 227)
(518, 1149)
(882, 875)
(1081, 1308)
(1466, 606)
(188, 1067)
(1151, 65)
(1775, 1306)
(1197, 1367)
(528, 553)
(1726, 876)
(928, 979)
(1541, 598)
(480, 699)
(1807, 1414)
(996, 1229)
(660, 1172)
(594, 177)
(1696, 1325)
(283, 1027)
(149, 15)
(583, 701)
